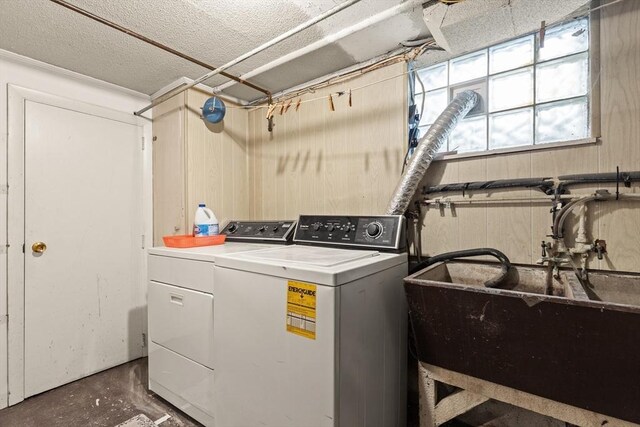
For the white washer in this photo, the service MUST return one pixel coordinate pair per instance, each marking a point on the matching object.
(181, 296)
(313, 336)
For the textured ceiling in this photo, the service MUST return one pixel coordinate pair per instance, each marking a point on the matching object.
(213, 31)
(217, 31)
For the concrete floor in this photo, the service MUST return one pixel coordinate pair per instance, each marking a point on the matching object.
(116, 395)
(105, 399)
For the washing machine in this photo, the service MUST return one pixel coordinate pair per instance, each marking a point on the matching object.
(314, 334)
(181, 300)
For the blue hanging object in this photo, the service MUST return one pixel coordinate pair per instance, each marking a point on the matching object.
(213, 110)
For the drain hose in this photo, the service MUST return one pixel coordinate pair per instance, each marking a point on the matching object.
(491, 283)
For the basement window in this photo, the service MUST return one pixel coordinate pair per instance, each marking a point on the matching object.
(531, 94)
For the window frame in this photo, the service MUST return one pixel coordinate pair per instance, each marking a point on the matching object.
(592, 95)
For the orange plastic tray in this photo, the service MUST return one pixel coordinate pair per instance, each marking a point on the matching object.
(189, 241)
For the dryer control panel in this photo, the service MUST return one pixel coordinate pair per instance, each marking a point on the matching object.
(259, 231)
(382, 232)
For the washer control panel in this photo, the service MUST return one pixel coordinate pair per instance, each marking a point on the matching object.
(384, 232)
(259, 231)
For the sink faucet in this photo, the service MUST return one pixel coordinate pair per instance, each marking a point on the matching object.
(552, 256)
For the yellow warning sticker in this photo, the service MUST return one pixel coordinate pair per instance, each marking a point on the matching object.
(301, 309)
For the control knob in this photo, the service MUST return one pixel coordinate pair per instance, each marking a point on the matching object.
(232, 228)
(374, 230)
(262, 229)
(330, 228)
(317, 226)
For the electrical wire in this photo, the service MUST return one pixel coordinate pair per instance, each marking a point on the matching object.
(323, 97)
(406, 154)
(340, 79)
(423, 94)
(404, 161)
(602, 6)
(408, 55)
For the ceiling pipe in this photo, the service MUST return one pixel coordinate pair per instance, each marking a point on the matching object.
(201, 87)
(145, 39)
(251, 53)
(331, 38)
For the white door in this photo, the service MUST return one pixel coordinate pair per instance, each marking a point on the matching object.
(83, 309)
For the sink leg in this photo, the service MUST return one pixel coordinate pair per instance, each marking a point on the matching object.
(434, 411)
(428, 397)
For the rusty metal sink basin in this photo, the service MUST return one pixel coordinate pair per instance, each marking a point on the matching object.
(537, 334)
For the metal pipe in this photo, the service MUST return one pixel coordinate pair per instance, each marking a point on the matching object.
(249, 54)
(427, 148)
(544, 184)
(331, 38)
(152, 42)
(204, 88)
(623, 177)
(597, 196)
(471, 201)
(564, 212)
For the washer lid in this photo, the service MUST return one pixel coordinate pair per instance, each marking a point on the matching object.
(313, 256)
(208, 253)
(321, 265)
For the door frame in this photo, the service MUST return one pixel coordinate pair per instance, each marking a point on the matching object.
(16, 103)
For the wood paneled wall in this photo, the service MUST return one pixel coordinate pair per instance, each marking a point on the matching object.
(196, 162)
(318, 161)
(217, 160)
(518, 229)
(168, 169)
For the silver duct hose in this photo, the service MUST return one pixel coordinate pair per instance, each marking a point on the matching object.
(427, 149)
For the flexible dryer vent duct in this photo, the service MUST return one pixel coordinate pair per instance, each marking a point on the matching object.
(427, 148)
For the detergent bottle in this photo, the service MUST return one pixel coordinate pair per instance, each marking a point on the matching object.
(205, 222)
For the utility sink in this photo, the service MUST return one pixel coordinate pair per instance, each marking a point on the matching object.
(543, 335)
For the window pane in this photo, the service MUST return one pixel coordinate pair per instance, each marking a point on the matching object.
(562, 78)
(510, 55)
(510, 90)
(469, 135)
(434, 104)
(433, 77)
(565, 39)
(511, 128)
(468, 67)
(562, 121)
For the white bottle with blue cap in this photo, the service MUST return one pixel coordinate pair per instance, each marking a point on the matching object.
(205, 222)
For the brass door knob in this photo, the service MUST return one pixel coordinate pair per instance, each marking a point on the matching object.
(39, 247)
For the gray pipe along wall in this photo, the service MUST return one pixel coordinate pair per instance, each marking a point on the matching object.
(427, 149)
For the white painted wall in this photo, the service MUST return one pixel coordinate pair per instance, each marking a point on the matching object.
(28, 73)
